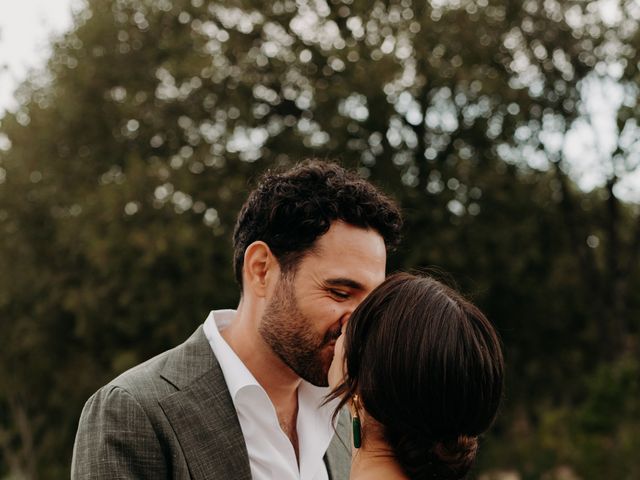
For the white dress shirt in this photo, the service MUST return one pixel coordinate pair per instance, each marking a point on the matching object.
(271, 454)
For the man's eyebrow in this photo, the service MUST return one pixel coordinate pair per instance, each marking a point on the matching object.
(344, 282)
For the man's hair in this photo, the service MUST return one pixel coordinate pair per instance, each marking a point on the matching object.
(290, 210)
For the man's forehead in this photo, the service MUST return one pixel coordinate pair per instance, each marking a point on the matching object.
(343, 236)
(340, 257)
(347, 255)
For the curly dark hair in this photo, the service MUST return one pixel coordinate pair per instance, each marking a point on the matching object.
(290, 210)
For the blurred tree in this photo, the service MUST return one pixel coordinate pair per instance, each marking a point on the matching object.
(123, 169)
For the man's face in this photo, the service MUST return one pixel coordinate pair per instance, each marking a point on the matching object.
(309, 307)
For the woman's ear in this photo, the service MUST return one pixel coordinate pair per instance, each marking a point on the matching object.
(260, 270)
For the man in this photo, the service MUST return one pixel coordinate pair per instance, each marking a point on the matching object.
(243, 396)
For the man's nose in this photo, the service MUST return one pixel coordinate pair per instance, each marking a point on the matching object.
(346, 317)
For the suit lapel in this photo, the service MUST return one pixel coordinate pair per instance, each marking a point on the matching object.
(202, 414)
(205, 422)
(338, 456)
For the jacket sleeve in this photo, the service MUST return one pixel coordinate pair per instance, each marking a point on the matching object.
(116, 440)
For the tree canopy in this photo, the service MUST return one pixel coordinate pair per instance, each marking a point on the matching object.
(123, 169)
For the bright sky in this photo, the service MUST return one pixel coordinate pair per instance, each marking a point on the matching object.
(26, 27)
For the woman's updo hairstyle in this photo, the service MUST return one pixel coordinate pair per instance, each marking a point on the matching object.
(428, 367)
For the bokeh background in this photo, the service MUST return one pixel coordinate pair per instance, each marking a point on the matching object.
(508, 131)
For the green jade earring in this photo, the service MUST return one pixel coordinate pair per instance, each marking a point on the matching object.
(355, 424)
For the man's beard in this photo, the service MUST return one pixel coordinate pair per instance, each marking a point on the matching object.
(291, 335)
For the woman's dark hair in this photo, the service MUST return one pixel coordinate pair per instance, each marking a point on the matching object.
(289, 211)
(428, 367)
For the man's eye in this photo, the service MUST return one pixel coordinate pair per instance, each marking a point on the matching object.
(339, 294)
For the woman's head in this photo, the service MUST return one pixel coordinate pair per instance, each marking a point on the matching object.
(427, 366)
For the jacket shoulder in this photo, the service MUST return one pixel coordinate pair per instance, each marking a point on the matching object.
(144, 378)
(167, 372)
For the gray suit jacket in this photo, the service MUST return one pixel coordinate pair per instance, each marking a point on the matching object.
(173, 417)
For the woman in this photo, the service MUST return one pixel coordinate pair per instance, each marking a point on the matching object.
(421, 371)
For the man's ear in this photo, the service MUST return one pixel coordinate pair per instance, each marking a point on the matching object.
(260, 270)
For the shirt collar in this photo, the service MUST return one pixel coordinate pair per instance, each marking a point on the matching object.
(315, 428)
(236, 374)
(238, 377)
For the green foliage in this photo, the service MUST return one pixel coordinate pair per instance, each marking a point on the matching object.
(594, 438)
(123, 170)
